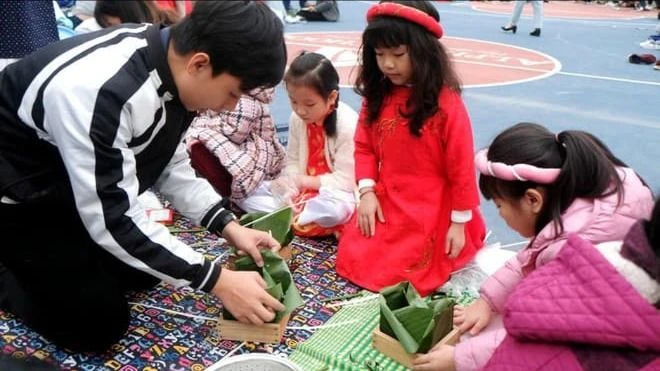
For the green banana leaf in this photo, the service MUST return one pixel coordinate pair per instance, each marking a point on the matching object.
(417, 323)
(279, 282)
(278, 223)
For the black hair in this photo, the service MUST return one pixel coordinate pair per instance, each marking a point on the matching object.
(137, 11)
(242, 38)
(316, 71)
(431, 67)
(652, 228)
(588, 168)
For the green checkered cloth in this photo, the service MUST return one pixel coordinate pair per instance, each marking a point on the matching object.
(345, 343)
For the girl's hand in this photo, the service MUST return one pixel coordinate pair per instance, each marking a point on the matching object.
(455, 240)
(285, 188)
(474, 317)
(440, 358)
(368, 210)
(305, 182)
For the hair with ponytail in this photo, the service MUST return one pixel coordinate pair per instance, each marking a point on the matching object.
(315, 71)
(587, 168)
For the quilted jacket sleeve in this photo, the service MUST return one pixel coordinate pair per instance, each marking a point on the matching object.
(498, 286)
(473, 352)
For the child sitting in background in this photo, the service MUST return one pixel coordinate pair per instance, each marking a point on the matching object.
(237, 150)
(319, 174)
(108, 13)
(546, 187)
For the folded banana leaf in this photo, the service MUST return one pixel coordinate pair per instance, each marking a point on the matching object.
(278, 279)
(278, 223)
(417, 323)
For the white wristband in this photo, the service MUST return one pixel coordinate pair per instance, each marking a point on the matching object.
(462, 216)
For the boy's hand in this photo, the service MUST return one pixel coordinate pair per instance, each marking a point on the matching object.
(243, 294)
(249, 241)
(474, 317)
(368, 210)
(455, 240)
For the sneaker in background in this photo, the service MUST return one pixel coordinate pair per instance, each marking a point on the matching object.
(650, 44)
(641, 59)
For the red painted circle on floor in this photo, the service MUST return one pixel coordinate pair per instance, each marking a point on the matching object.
(565, 9)
(479, 63)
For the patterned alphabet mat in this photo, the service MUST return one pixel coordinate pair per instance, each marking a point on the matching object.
(174, 329)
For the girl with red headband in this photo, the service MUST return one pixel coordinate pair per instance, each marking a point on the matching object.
(546, 187)
(417, 218)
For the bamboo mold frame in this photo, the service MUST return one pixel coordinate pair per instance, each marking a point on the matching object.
(266, 333)
(391, 347)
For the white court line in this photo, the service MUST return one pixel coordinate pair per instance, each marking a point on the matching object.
(619, 79)
(601, 117)
(544, 73)
(574, 74)
(497, 65)
(547, 72)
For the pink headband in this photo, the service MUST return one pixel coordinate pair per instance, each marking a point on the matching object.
(521, 172)
(408, 13)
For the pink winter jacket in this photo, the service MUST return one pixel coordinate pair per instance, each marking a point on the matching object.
(578, 313)
(597, 220)
(244, 140)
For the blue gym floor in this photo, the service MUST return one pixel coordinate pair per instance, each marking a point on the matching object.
(595, 90)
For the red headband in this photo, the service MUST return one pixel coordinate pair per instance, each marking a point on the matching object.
(408, 13)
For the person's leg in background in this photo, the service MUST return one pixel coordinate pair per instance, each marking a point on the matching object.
(537, 6)
(287, 7)
(311, 15)
(25, 27)
(515, 17)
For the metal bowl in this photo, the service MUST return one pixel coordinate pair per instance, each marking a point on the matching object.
(254, 362)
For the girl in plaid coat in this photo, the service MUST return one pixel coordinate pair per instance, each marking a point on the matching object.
(237, 150)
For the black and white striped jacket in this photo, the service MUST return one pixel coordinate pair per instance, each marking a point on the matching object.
(98, 116)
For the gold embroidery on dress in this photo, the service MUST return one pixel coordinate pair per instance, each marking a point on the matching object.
(425, 259)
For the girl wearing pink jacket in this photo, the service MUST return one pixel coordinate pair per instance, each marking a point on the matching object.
(546, 186)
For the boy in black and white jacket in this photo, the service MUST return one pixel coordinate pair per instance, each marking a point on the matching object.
(89, 123)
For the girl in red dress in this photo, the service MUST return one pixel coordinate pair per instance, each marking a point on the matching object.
(417, 218)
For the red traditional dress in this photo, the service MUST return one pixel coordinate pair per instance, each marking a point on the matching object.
(171, 4)
(316, 165)
(419, 181)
